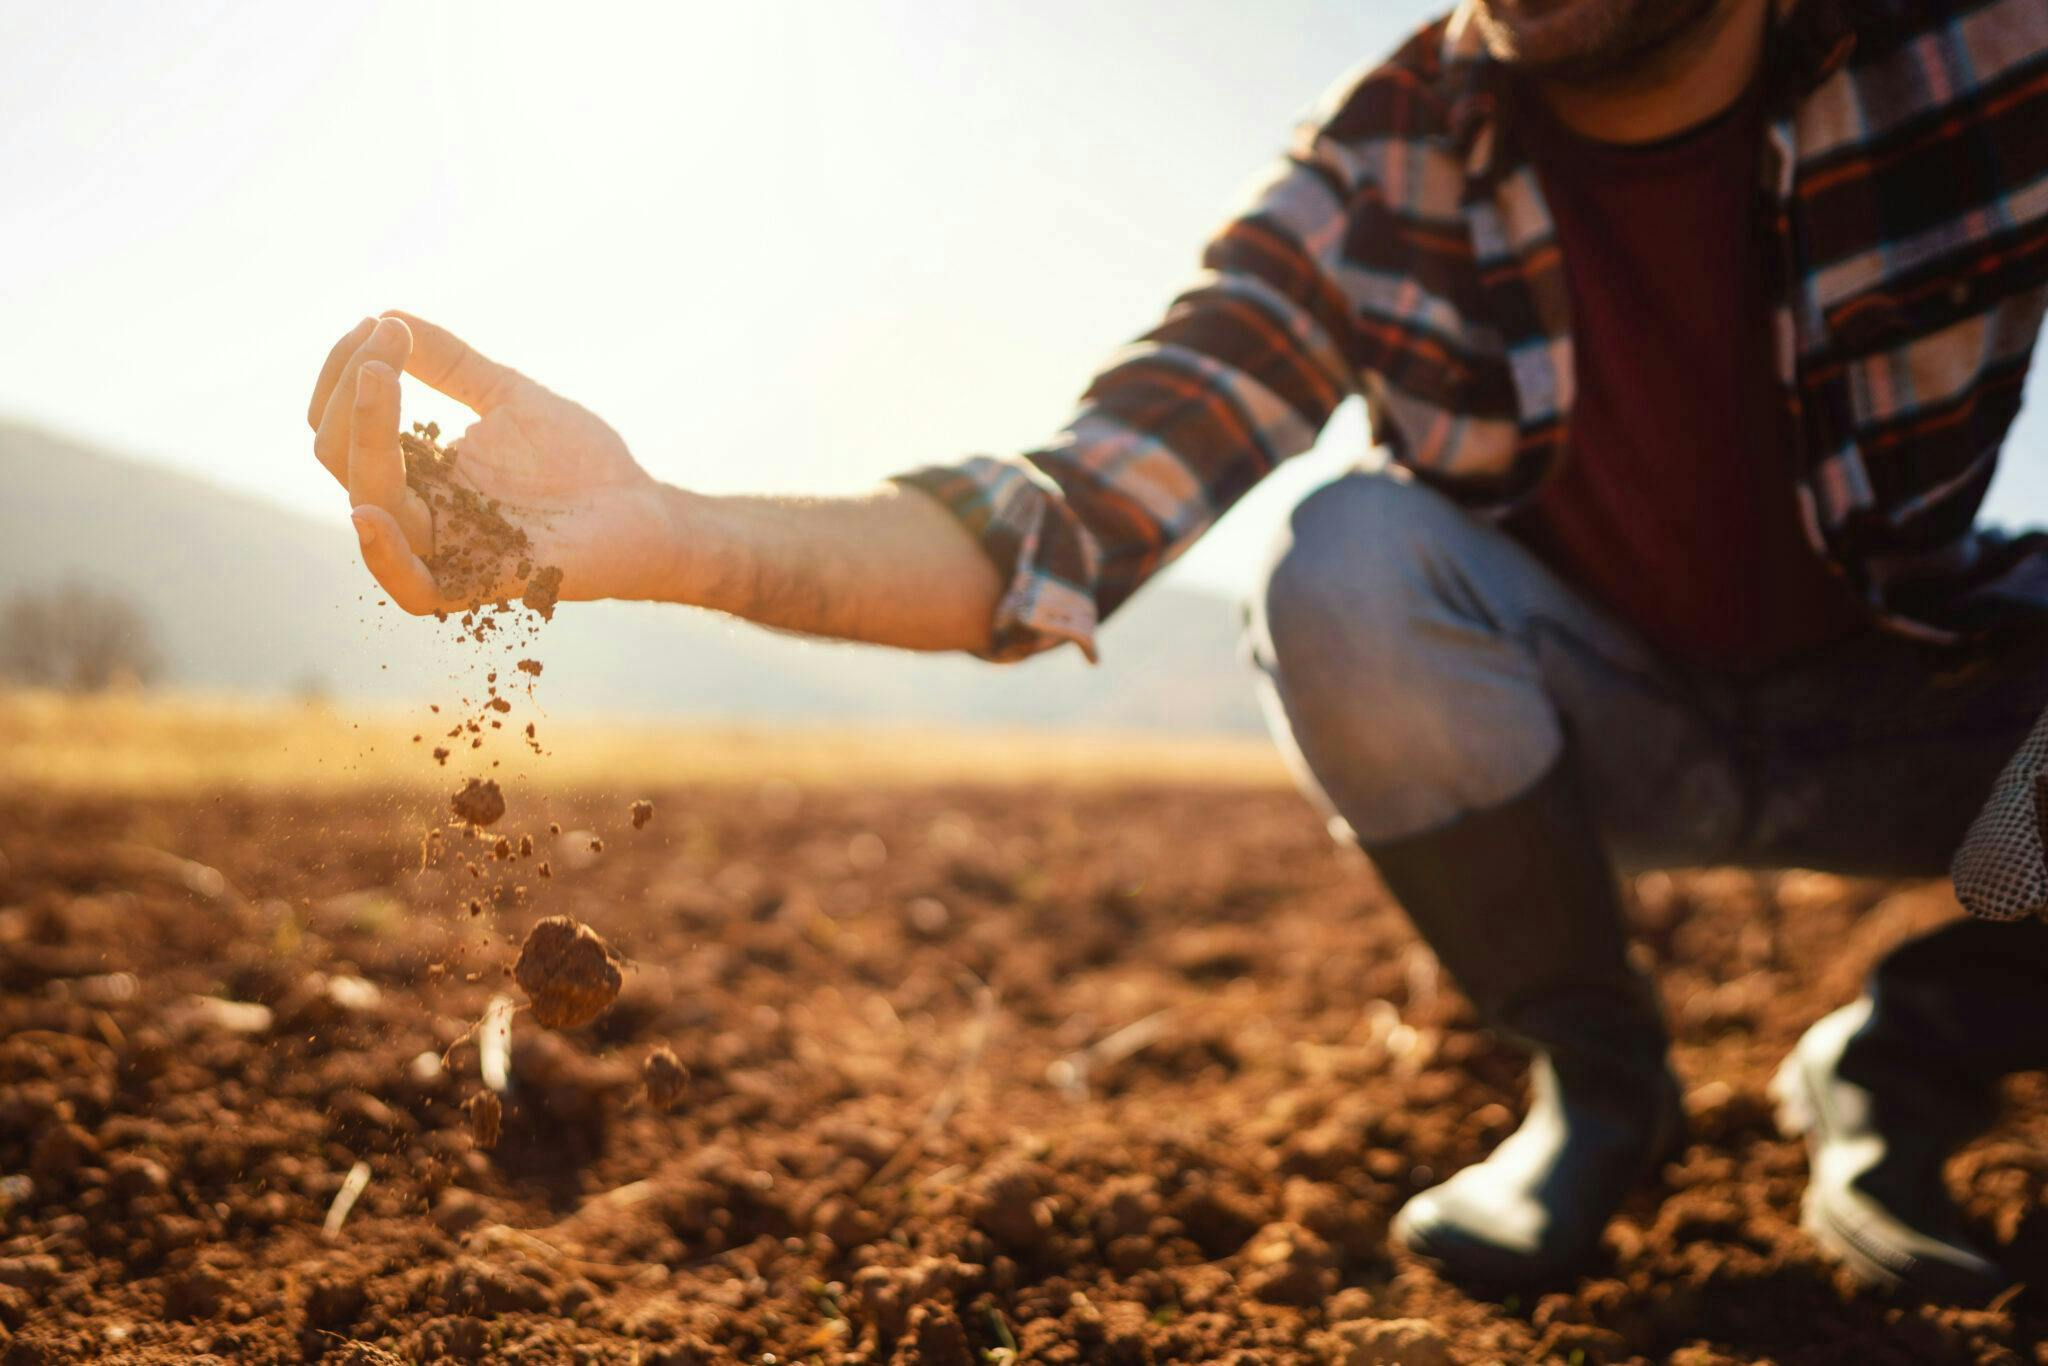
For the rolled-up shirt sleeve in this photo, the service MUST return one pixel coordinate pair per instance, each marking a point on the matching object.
(1243, 372)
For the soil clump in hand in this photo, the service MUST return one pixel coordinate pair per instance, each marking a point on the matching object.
(475, 550)
(543, 591)
(568, 973)
(479, 803)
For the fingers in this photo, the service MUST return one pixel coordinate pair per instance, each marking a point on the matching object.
(331, 371)
(397, 570)
(376, 466)
(388, 342)
(448, 363)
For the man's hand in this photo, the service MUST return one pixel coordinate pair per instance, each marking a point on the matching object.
(558, 472)
(891, 567)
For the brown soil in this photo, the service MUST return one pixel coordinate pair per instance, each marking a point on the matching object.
(665, 1078)
(543, 591)
(911, 1135)
(568, 972)
(479, 802)
(475, 548)
(643, 812)
(486, 1118)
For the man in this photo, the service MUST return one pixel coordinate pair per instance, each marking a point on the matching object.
(1693, 328)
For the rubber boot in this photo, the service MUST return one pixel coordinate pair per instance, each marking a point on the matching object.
(1887, 1087)
(1521, 906)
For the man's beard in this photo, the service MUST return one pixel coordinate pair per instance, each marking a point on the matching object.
(1587, 42)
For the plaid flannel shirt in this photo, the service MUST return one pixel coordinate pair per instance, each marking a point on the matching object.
(1403, 251)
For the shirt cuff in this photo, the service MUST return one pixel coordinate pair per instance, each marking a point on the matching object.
(1027, 531)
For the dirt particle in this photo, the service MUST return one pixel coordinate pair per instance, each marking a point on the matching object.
(568, 973)
(479, 803)
(664, 1076)
(643, 812)
(197, 1294)
(441, 755)
(1287, 1264)
(941, 1341)
(596, 845)
(1391, 1342)
(486, 1118)
(529, 667)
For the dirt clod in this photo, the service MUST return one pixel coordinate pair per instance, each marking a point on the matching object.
(486, 1118)
(479, 803)
(643, 812)
(664, 1076)
(1391, 1342)
(543, 591)
(568, 973)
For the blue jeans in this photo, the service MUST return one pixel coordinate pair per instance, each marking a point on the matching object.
(1420, 664)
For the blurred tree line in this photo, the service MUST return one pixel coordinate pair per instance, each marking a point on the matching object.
(75, 638)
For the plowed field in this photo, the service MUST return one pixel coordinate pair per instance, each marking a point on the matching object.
(1108, 1075)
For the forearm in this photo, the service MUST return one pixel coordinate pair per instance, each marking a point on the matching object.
(889, 567)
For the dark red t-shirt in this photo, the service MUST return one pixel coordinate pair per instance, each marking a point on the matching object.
(1674, 504)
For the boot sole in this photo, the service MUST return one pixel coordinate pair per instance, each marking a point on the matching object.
(1801, 1114)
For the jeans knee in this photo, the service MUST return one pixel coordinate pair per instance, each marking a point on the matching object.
(1402, 704)
(1348, 566)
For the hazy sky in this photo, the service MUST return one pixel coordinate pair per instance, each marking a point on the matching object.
(783, 244)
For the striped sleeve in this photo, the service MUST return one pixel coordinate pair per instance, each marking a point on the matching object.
(1243, 372)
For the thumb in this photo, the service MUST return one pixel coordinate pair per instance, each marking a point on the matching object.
(391, 562)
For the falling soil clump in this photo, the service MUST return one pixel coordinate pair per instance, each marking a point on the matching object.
(567, 972)
(665, 1077)
(486, 1118)
(479, 803)
(543, 591)
(643, 812)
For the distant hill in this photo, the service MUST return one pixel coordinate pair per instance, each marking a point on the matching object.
(247, 596)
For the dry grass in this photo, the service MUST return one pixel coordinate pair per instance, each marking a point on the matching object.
(138, 745)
